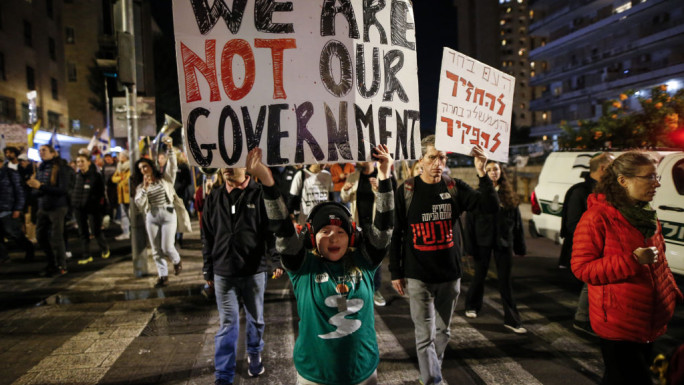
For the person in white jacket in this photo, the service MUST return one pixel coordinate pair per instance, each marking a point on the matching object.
(154, 196)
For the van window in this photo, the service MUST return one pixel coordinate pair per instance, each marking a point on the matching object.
(678, 177)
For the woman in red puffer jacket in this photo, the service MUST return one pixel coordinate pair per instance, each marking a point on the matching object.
(620, 252)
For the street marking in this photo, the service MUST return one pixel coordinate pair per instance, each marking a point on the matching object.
(86, 357)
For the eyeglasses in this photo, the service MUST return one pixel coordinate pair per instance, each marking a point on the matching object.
(650, 177)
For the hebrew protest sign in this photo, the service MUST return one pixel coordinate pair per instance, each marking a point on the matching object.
(14, 135)
(307, 81)
(474, 107)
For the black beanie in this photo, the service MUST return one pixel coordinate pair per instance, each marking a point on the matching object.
(331, 214)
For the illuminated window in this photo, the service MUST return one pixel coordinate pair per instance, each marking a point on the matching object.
(532, 64)
(521, 52)
(503, 22)
(544, 115)
(503, 42)
(531, 14)
(623, 7)
(532, 74)
(508, 10)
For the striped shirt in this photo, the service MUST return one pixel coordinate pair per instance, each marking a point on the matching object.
(156, 196)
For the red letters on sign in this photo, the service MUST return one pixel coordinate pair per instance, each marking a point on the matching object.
(277, 47)
(241, 48)
(207, 68)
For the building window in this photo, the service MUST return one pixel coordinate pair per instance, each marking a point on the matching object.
(28, 34)
(30, 78)
(3, 75)
(75, 125)
(53, 88)
(71, 72)
(0, 16)
(7, 109)
(49, 9)
(70, 38)
(52, 49)
(53, 120)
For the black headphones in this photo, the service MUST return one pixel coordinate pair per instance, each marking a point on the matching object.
(308, 230)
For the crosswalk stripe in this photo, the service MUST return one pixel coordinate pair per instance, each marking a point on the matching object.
(393, 368)
(87, 356)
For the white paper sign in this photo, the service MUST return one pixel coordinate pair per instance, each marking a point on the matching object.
(14, 135)
(474, 107)
(308, 81)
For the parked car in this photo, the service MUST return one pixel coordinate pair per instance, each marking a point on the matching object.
(563, 169)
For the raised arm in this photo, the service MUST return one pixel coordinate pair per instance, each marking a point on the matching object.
(288, 242)
(377, 238)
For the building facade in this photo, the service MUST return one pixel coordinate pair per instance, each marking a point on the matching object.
(32, 59)
(515, 48)
(585, 52)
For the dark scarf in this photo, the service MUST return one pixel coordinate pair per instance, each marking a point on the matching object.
(642, 216)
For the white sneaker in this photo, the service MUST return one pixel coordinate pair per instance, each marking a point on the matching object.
(378, 299)
(123, 237)
(471, 314)
(516, 330)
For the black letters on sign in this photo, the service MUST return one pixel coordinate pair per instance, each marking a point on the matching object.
(207, 17)
(253, 136)
(304, 113)
(393, 84)
(399, 25)
(329, 12)
(263, 16)
(383, 114)
(195, 150)
(338, 135)
(361, 72)
(364, 120)
(226, 113)
(334, 48)
(275, 135)
(402, 126)
(370, 8)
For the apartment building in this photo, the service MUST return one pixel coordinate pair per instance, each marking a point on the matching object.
(32, 59)
(587, 51)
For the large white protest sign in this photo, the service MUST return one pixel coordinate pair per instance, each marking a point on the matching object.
(474, 107)
(308, 81)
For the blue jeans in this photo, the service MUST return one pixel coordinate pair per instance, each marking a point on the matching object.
(227, 289)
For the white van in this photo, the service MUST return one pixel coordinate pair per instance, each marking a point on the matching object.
(563, 169)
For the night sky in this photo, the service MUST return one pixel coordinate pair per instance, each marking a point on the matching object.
(435, 28)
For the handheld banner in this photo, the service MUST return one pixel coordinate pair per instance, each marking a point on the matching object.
(308, 81)
(474, 107)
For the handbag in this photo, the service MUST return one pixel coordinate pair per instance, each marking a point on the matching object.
(182, 216)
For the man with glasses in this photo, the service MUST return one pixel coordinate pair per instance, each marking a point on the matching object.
(425, 250)
(574, 205)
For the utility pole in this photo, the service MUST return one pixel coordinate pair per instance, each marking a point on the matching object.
(127, 76)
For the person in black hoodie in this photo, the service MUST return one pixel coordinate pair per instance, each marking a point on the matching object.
(499, 234)
(88, 202)
(236, 245)
(50, 185)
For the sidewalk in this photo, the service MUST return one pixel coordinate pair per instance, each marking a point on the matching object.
(102, 280)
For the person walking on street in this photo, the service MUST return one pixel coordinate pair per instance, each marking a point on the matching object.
(310, 186)
(501, 235)
(12, 202)
(122, 179)
(331, 268)
(50, 185)
(424, 257)
(154, 196)
(237, 244)
(359, 192)
(108, 170)
(619, 251)
(574, 206)
(88, 202)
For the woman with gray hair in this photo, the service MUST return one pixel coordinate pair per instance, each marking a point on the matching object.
(619, 251)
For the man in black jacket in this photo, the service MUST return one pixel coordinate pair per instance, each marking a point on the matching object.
(424, 256)
(12, 201)
(51, 186)
(574, 205)
(88, 202)
(236, 243)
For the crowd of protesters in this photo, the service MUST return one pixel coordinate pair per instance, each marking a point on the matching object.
(329, 227)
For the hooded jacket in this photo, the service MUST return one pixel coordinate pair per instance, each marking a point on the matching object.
(628, 301)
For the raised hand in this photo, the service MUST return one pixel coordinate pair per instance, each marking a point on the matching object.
(480, 159)
(257, 168)
(384, 158)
